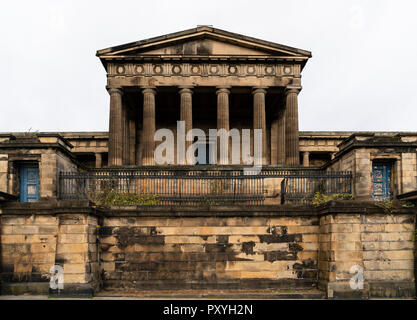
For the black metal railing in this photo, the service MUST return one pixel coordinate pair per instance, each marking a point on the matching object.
(173, 186)
(162, 187)
(302, 187)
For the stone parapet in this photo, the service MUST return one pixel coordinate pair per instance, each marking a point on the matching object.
(208, 247)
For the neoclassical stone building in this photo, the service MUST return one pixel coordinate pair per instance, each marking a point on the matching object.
(208, 78)
(97, 204)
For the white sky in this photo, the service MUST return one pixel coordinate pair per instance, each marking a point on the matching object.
(361, 76)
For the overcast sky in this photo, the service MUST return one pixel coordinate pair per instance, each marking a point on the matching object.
(362, 75)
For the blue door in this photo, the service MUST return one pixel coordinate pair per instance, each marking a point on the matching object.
(29, 183)
(381, 181)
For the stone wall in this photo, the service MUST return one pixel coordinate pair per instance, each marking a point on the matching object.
(379, 243)
(408, 172)
(4, 179)
(230, 247)
(38, 236)
(388, 254)
(209, 252)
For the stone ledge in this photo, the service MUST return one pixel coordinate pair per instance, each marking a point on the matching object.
(34, 288)
(392, 289)
(79, 206)
(217, 294)
(221, 284)
(75, 290)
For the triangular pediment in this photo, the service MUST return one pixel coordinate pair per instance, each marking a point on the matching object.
(203, 46)
(202, 41)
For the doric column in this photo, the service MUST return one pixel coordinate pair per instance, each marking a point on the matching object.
(223, 120)
(125, 147)
(186, 115)
(306, 159)
(259, 120)
(115, 127)
(148, 125)
(274, 141)
(99, 161)
(291, 132)
(281, 138)
(132, 141)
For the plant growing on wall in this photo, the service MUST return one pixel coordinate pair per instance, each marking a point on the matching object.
(321, 198)
(386, 205)
(107, 195)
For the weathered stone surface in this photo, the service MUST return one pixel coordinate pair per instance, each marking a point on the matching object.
(139, 251)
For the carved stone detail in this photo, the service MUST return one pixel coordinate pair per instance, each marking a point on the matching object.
(202, 69)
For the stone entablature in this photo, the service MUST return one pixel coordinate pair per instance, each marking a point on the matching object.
(213, 69)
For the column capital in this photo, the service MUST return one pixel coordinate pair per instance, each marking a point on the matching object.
(259, 90)
(111, 90)
(295, 90)
(185, 89)
(149, 89)
(223, 89)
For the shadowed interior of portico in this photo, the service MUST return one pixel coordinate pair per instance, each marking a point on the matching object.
(204, 115)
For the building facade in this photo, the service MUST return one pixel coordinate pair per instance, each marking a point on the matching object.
(101, 207)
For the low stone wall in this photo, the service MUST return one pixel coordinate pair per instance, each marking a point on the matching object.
(278, 247)
(223, 250)
(380, 245)
(38, 236)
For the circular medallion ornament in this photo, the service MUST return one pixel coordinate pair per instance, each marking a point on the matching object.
(157, 69)
(195, 69)
(287, 69)
(214, 69)
(250, 70)
(232, 70)
(139, 69)
(269, 70)
(120, 69)
(176, 69)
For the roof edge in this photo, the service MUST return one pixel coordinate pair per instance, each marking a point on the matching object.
(198, 30)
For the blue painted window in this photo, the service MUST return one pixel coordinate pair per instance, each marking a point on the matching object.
(29, 182)
(381, 181)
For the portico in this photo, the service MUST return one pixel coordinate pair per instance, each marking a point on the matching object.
(208, 78)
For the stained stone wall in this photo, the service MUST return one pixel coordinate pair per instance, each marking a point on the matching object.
(381, 244)
(209, 252)
(36, 237)
(230, 247)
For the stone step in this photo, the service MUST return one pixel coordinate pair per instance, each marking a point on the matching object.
(214, 294)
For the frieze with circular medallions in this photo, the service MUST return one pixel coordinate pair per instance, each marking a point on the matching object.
(232, 69)
(176, 69)
(287, 69)
(120, 69)
(195, 69)
(214, 69)
(139, 69)
(250, 70)
(269, 70)
(157, 69)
